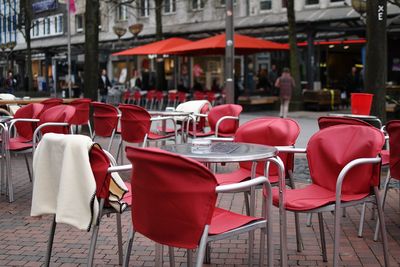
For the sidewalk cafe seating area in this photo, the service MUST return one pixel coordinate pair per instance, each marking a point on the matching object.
(208, 189)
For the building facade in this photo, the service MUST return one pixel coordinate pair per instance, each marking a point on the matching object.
(327, 26)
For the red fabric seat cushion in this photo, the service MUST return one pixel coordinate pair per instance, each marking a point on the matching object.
(155, 136)
(310, 197)
(240, 175)
(385, 155)
(223, 221)
(16, 145)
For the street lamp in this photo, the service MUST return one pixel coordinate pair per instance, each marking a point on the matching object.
(119, 31)
(135, 29)
(360, 6)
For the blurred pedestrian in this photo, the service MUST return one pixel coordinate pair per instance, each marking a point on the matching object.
(11, 82)
(263, 82)
(272, 76)
(104, 85)
(354, 81)
(285, 83)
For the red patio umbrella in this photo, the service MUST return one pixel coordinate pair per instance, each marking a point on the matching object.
(216, 45)
(153, 48)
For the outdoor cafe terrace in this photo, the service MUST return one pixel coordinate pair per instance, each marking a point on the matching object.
(24, 239)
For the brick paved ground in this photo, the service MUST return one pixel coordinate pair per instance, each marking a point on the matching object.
(23, 239)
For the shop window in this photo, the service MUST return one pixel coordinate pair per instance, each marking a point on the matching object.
(169, 6)
(79, 22)
(60, 28)
(197, 4)
(122, 11)
(284, 3)
(312, 2)
(144, 9)
(222, 3)
(265, 4)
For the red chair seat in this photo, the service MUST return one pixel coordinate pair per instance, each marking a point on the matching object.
(21, 139)
(385, 154)
(155, 136)
(15, 145)
(311, 197)
(223, 221)
(240, 175)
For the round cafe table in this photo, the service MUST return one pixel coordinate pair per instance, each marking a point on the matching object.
(225, 152)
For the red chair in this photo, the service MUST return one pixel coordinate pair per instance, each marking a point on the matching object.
(181, 97)
(172, 99)
(165, 213)
(105, 121)
(393, 130)
(199, 95)
(126, 97)
(159, 100)
(137, 96)
(100, 162)
(150, 98)
(51, 102)
(56, 119)
(211, 97)
(135, 127)
(223, 121)
(345, 168)
(82, 113)
(270, 131)
(327, 121)
(19, 139)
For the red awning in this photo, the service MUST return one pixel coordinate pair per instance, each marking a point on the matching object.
(153, 48)
(216, 45)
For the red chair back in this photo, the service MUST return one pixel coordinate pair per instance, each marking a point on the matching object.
(100, 163)
(151, 95)
(211, 96)
(393, 129)
(270, 131)
(181, 97)
(135, 123)
(198, 95)
(174, 197)
(126, 97)
(137, 95)
(172, 96)
(30, 111)
(60, 113)
(159, 95)
(228, 126)
(51, 102)
(82, 111)
(330, 149)
(327, 121)
(105, 119)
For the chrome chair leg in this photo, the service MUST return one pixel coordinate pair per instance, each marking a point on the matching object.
(322, 235)
(50, 243)
(309, 220)
(362, 218)
(385, 189)
(379, 206)
(171, 256)
(189, 257)
(336, 246)
(28, 167)
(95, 233)
(129, 244)
(119, 238)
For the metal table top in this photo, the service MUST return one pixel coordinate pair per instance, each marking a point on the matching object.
(243, 152)
(169, 113)
(353, 116)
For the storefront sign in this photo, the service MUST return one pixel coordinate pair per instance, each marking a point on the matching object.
(44, 5)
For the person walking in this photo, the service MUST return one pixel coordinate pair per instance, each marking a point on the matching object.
(104, 85)
(11, 82)
(285, 83)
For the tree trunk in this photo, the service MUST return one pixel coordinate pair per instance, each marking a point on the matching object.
(160, 82)
(294, 54)
(28, 20)
(91, 67)
(376, 58)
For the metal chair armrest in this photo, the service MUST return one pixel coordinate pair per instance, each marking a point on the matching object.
(120, 168)
(13, 121)
(347, 168)
(290, 149)
(37, 131)
(238, 187)
(223, 119)
(220, 139)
